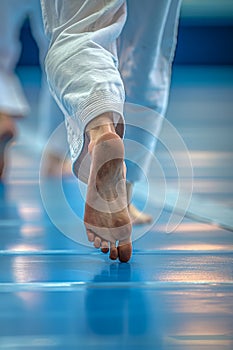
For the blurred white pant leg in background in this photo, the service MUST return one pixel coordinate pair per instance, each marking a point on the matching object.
(12, 99)
(146, 50)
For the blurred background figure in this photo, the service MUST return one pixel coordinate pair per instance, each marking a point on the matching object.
(13, 103)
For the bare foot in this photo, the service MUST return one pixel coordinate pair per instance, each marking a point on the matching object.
(7, 132)
(137, 217)
(106, 212)
(54, 166)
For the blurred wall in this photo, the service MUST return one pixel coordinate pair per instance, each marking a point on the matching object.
(205, 34)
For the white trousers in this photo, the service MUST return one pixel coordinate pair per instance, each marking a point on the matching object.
(12, 99)
(103, 53)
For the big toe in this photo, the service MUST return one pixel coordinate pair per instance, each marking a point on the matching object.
(124, 251)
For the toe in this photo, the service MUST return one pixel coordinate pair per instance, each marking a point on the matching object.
(90, 236)
(113, 251)
(97, 242)
(124, 251)
(104, 247)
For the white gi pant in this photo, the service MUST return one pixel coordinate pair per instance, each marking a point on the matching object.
(103, 53)
(12, 98)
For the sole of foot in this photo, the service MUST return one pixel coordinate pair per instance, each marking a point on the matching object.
(106, 216)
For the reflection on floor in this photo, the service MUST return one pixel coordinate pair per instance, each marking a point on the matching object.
(176, 292)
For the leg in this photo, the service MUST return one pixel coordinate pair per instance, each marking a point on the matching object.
(12, 100)
(81, 66)
(145, 56)
(49, 115)
(82, 70)
(137, 217)
(145, 64)
(49, 118)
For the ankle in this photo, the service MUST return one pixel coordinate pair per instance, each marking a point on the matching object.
(100, 125)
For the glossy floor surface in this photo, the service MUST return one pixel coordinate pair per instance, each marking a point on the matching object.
(177, 290)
